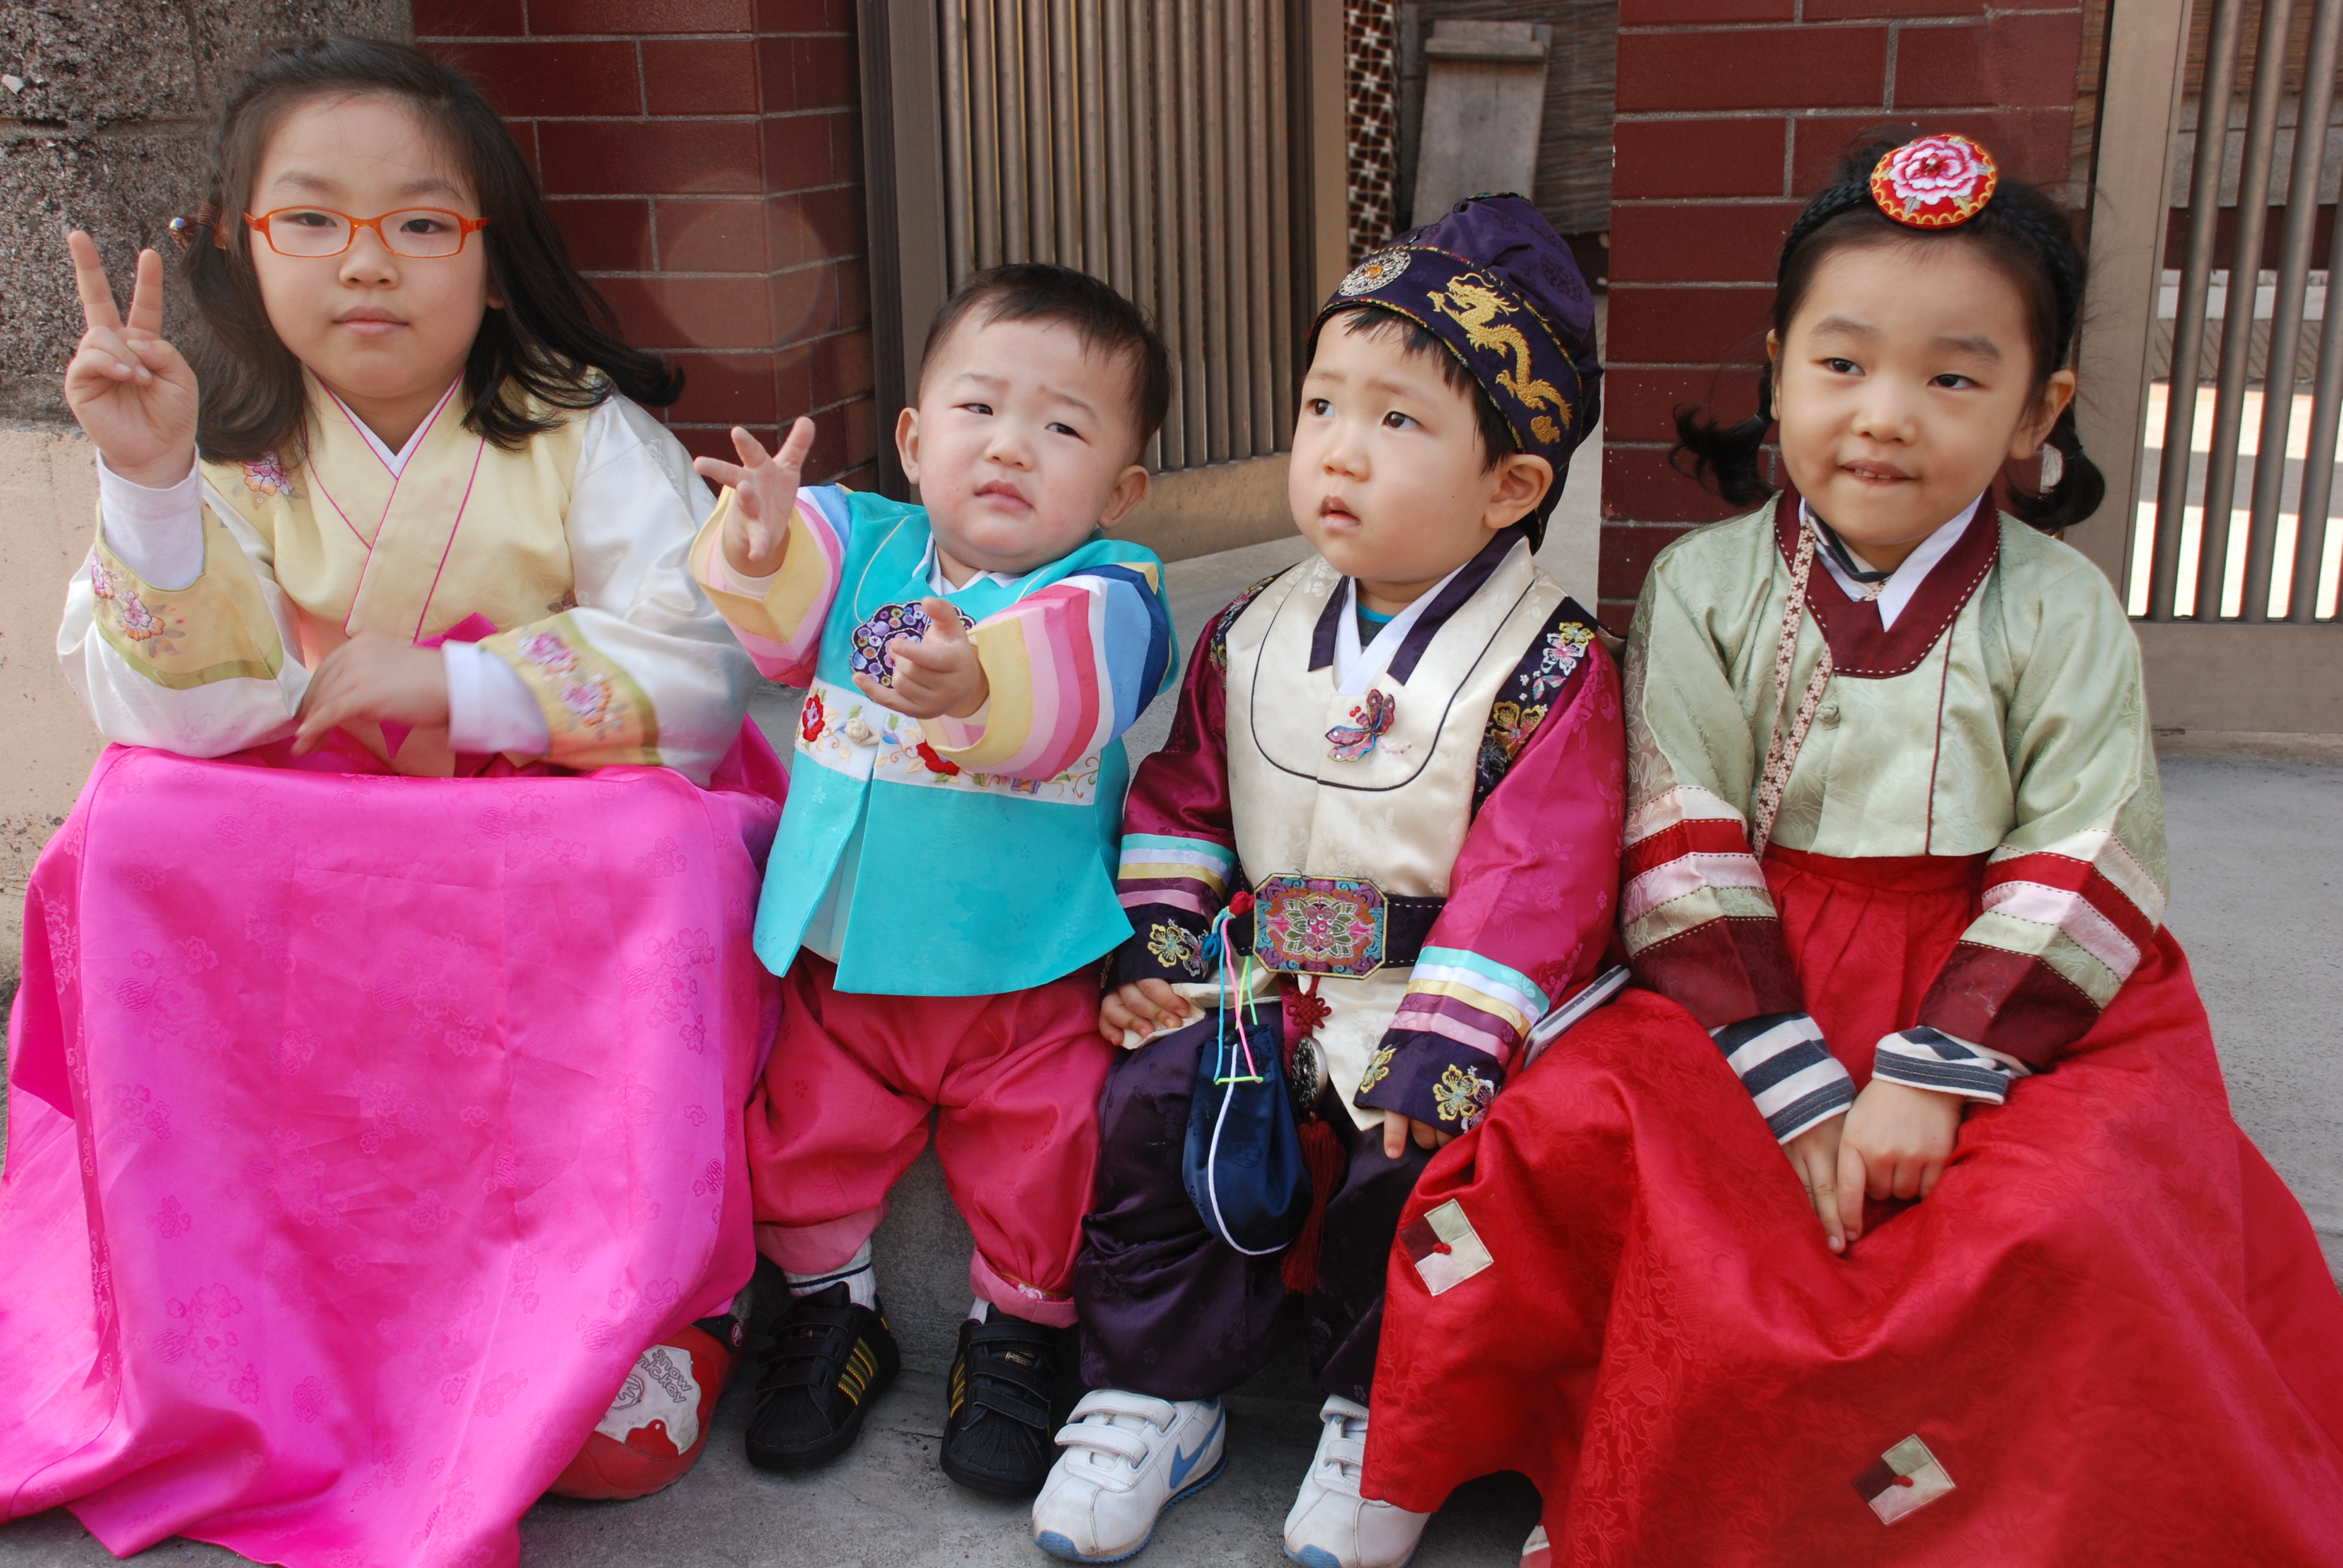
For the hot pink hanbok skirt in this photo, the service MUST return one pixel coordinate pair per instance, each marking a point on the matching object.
(362, 1131)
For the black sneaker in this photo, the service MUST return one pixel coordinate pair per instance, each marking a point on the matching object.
(829, 1359)
(1004, 1407)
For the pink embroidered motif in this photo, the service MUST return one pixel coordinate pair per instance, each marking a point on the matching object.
(265, 475)
(139, 623)
(1370, 722)
(588, 697)
(1934, 182)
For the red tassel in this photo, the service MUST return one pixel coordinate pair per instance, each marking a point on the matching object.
(1322, 1152)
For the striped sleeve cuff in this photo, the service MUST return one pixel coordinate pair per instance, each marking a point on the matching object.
(1926, 1058)
(1788, 1069)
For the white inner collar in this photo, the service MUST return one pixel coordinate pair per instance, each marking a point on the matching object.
(396, 461)
(931, 567)
(1898, 590)
(1356, 667)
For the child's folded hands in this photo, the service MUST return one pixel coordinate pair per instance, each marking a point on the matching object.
(373, 677)
(1898, 1141)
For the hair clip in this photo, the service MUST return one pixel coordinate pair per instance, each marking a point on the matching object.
(183, 229)
(1935, 182)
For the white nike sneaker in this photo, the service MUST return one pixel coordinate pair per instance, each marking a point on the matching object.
(1535, 1551)
(1332, 1526)
(1127, 1459)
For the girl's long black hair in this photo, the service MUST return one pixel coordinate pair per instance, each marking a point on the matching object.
(552, 349)
(2021, 231)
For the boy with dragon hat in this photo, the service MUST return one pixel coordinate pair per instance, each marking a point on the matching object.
(1386, 830)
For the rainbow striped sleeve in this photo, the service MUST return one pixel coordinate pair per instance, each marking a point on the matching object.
(1070, 665)
(1472, 1000)
(780, 627)
(1190, 874)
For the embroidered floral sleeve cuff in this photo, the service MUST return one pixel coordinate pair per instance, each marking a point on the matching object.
(1926, 1058)
(1782, 1062)
(1166, 944)
(1432, 1079)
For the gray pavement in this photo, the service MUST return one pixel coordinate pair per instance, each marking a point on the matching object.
(2255, 901)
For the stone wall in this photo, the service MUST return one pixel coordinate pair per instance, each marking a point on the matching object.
(105, 108)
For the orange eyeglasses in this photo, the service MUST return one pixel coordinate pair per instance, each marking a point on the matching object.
(315, 231)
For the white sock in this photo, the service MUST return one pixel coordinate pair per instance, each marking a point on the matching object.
(980, 1310)
(857, 1274)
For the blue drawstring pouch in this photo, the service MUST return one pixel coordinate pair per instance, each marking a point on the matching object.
(1242, 1164)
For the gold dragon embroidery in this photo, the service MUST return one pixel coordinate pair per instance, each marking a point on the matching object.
(1475, 306)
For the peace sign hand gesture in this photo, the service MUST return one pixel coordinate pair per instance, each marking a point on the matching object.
(127, 387)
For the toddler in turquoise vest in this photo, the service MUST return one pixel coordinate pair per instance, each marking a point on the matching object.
(943, 888)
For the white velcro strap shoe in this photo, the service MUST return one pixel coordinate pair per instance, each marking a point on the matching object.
(1127, 1458)
(1332, 1526)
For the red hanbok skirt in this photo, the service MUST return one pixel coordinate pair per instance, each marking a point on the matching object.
(2110, 1324)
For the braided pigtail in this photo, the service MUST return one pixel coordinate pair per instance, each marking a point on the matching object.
(2076, 493)
(1728, 458)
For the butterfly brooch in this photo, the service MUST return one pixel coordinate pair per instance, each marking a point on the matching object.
(1370, 722)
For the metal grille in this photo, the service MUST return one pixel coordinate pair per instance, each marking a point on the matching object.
(1148, 143)
(2239, 526)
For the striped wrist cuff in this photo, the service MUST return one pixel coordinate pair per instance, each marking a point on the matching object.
(1924, 1058)
(1788, 1069)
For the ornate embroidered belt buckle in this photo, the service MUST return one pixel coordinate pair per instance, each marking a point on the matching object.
(1320, 925)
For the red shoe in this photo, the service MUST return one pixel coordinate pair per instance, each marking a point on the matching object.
(658, 1423)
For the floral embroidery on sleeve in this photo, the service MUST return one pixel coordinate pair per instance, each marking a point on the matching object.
(217, 628)
(1174, 947)
(1524, 700)
(595, 712)
(1461, 1095)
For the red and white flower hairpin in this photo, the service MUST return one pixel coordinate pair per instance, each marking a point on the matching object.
(1935, 182)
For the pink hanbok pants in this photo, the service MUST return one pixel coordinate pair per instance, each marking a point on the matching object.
(1012, 1084)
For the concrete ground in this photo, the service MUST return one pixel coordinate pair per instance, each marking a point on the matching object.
(2256, 903)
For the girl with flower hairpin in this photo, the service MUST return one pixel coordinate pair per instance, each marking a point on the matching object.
(1896, 881)
(375, 1146)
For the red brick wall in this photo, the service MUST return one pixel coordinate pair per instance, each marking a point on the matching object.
(1731, 112)
(703, 158)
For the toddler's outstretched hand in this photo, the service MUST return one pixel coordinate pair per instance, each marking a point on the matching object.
(127, 386)
(1129, 1014)
(1895, 1145)
(764, 493)
(936, 674)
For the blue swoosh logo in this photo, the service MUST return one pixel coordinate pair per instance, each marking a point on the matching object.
(1181, 1463)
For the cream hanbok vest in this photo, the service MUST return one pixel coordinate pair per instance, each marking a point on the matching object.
(1313, 825)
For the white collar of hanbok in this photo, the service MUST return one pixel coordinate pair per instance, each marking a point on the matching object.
(396, 461)
(1905, 581)
(931, 567)
(1356, 667)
